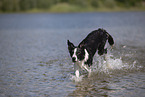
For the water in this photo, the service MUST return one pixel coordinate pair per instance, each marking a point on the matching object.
(34, 60)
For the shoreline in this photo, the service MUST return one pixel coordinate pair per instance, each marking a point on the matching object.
(77, 9)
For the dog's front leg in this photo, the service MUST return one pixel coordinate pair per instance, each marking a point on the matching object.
(87, 69)
(77, 73)
(77, 70)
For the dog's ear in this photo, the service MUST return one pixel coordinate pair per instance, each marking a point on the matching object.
(70, 45)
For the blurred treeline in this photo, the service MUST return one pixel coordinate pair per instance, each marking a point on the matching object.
(25, 5)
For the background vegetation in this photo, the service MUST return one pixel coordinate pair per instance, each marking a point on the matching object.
(69, 5)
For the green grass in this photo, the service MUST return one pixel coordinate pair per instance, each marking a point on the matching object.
(66, 8)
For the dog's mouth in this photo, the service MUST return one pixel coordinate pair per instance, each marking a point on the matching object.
(74, 59)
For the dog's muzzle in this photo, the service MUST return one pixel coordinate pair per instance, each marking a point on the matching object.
(73, 59)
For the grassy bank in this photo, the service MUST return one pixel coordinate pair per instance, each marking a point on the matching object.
(69, 8)
(65, 8)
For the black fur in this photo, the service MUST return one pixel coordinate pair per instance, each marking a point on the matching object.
(71, 47)
(96, 40)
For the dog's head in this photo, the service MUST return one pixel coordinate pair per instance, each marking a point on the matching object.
(76, 53)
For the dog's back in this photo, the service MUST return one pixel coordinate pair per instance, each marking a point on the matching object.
(96, 40)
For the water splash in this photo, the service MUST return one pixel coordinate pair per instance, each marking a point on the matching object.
(76, 79)
(108, 63)
(104, 64)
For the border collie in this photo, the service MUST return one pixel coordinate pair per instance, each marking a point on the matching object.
(82, 55)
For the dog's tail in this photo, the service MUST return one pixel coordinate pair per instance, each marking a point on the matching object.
(110, 39)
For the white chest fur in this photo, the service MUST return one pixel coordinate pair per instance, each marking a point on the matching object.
(86, 56)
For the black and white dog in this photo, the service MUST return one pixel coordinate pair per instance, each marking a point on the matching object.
(82, 55)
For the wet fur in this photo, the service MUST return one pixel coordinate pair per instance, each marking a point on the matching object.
(96, 40)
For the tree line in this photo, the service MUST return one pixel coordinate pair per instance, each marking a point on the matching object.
(24, 5)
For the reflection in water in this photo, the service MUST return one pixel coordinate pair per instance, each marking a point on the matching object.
(88, 87)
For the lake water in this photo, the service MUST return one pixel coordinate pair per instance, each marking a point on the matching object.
(34, 60)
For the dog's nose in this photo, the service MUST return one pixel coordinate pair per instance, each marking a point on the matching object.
(73, 59)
